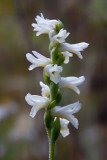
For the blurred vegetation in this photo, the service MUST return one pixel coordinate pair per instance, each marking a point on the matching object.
(24, 138)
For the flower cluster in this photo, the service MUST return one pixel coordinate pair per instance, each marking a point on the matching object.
(60, 52)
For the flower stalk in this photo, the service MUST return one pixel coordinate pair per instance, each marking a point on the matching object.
(56, 117)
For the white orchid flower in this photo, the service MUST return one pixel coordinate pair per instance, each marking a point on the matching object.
(44, 26)
(66, 113)
(54, 72)
(40, 61)
(37, 103)
(58, 38)
(45, 90)
(67, 54)
(74, 48)
(64, 127)
(72, 82)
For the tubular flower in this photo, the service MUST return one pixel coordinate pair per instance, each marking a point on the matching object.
(37, 103)
(44, 26)
(72, 82)
(54, 72)
(74, 48)
(40, 61)
(66, 113)
(58, 38)
(64, 127)
(44, 90)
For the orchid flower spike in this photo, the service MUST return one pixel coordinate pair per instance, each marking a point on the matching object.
(44, 26)
(37, 103)
(54, 72)
(40, 61)
(74, 48)
(56, 117)
(66, 113)
(72, 82)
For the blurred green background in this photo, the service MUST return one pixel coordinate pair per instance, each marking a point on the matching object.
(24, 138)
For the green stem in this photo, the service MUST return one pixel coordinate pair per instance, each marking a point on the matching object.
(51, 150)
(51, 146)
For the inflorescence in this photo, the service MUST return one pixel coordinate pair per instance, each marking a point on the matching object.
(56, 117)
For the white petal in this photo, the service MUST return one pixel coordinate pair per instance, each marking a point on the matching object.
(72, 82)
(64, 127)
(71, 108)
(54, 72)
(45, 90)
(33, 111)
(30, 58)
(32, 99)
(38, 55)
(73, 120)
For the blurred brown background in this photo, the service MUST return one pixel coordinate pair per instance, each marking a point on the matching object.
(24, 138)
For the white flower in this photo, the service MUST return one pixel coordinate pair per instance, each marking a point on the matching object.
(58, 38)
(44, 26)
(66, 112)
(40, 61)
(72, 82)
(64, 127)
(74, 48)
(37, 103)
(45, 90)
(54, 72)
(67, 54)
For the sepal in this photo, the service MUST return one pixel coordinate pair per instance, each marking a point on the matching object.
(46, 77)
(55, 130)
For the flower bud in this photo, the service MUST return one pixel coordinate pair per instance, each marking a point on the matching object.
(60, 26)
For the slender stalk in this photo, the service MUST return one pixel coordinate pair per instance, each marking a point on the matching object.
(51, 150)
(51, 146)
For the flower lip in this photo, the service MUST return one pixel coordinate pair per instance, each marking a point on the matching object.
(64, 127)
